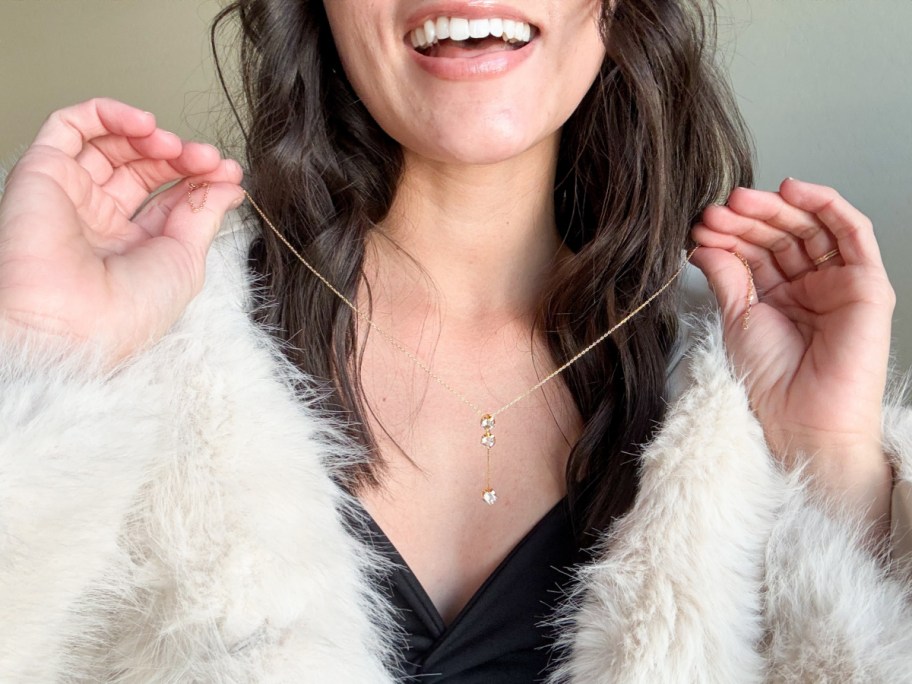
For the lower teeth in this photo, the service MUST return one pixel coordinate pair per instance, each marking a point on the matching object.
(470, 44)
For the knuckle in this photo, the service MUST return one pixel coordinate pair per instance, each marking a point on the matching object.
(784, 243)
(879, 290)
(832, 193)
(68, 116)
(55, 118)
(890, 295)
(827, 192)
(95, 103)
(64, 114)
(831, 199)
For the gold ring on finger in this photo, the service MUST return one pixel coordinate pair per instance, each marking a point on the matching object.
(826, 257)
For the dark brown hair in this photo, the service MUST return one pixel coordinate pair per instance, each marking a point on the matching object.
(656, 139)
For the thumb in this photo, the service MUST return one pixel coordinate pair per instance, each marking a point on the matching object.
(731, 281)
(196, 213)
(160, 276)
(175, 268)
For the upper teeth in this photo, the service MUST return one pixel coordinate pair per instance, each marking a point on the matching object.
(457, 28)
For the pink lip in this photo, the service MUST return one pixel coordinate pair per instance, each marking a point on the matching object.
(470, 68)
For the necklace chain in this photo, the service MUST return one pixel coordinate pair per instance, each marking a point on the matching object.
(487, 419)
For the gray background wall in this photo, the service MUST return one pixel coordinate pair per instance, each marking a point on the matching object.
(824, 84)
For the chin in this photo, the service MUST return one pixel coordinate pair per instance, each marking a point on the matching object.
(481, 144)
(478, 154)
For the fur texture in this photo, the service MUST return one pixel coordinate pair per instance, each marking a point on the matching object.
(176, 521)
(676, 593)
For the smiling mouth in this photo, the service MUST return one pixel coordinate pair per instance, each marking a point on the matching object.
(456, 37)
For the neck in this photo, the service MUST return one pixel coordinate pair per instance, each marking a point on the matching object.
(470, 241)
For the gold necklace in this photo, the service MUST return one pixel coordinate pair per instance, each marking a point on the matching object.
(487, 419)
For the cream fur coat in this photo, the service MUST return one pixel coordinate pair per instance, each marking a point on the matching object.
(175, 521)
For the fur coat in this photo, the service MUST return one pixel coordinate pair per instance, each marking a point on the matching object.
(176, 520)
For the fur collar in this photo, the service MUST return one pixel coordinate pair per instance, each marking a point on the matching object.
(176, 521)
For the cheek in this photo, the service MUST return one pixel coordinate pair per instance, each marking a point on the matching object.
(348, 33)
(580, 56)
(371, 60)
(362, 50)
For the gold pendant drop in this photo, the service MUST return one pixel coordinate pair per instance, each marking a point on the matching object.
(487, 441)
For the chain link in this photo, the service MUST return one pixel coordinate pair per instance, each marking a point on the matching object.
(427, 369)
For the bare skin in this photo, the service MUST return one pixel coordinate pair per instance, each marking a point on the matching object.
(815, 356)
(469, 310)
(77, 266)
(74, 262)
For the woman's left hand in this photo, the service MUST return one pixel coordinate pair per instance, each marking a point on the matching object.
(815, 352)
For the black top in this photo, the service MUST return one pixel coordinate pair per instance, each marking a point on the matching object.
(497, 638)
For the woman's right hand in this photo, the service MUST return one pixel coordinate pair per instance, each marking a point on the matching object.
(75, 263)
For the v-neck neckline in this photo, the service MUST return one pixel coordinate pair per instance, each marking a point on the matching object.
(440, 627)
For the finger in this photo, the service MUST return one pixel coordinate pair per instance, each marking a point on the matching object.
(101, 156)
(766, 270)
(175, 260)
(730, 282)
(196, 225)
(154, 216)
(852, 230)
(786, 249)
(70, 128)
(829, 259)
(774, 210)
(131, 184)
(121, 237)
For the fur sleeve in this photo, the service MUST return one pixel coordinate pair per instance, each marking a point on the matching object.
(176, 520)
(674, 594)
(726, 569)
(75, 447)
(835, 611)
(898, 442)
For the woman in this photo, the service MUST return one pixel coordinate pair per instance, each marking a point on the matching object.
(205, 477)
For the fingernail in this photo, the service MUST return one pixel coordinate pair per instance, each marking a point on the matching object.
(238, 202)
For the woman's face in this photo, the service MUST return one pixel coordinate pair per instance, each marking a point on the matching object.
(507, 77)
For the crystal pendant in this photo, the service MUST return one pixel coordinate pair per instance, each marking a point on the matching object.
(487, 441)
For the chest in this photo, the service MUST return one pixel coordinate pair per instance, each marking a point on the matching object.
(429, 502)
